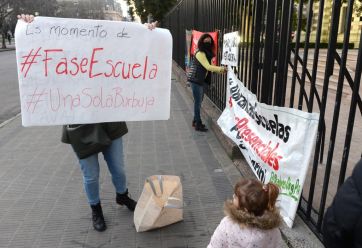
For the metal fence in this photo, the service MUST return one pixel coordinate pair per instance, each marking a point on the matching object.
(281, 60)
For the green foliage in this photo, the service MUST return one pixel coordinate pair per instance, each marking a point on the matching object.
(295, 20)
(358, 7)
(156, 8)
(131, 10)
(13, 8)
(131, 13)
(9, 9)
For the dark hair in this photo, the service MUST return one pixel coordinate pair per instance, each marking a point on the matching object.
(255, 196)
(201, 44)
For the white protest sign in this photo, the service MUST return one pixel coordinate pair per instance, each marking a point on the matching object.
(74, 71)
(230, 49)
(276, 141)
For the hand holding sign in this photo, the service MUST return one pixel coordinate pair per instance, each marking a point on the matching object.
(230, 50)
(152, 25)
(225, 69)
(26, 18)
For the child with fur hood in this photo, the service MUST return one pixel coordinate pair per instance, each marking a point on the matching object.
(252, 219)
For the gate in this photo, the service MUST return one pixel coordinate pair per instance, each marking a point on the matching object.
(301, 54)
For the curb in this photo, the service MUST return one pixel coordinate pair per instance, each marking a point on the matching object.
(300, 236)
(4, 123)
(6, 49)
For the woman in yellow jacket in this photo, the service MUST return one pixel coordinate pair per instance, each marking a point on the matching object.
(199, 75)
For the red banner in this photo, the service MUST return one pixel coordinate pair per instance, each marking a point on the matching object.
(195, 38)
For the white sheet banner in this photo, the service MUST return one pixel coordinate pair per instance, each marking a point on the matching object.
(74, 71)
(230, 49)
(276, 141)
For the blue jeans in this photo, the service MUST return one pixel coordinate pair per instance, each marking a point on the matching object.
(113, 155)
(198, 93)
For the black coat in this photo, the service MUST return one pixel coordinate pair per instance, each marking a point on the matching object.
(93, 138)
(197, 73)
(342, 225)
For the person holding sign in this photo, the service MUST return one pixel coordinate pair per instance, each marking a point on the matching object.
(199, 75)
(252, 219)
(87, 141)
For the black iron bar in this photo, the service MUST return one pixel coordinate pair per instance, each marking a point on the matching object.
(282, 52)
(256, 45)
(297, 44)
(336, 112)
(351, 116)
(313, 89)
(328, 72)
(305, 52)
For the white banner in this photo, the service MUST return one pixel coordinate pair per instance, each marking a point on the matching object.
(230, 49)
(74, 71)
(276, 141)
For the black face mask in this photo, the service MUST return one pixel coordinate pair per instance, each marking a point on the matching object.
(208, 46)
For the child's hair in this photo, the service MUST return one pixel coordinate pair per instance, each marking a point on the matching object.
(255, 196)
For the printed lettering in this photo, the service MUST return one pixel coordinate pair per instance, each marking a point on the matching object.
(274, 126)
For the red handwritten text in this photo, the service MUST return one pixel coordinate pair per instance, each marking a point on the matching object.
(57, 100)
(57, 62)
(265, 151)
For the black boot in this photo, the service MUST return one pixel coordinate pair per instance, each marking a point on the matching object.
(97, 216)
(200, 127)
(194, 124)
(123, 199)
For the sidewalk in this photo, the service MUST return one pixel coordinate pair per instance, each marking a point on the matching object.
(43, 204)
(8, 47)
(41, 196)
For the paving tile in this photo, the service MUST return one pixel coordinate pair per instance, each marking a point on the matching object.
(43, 202)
